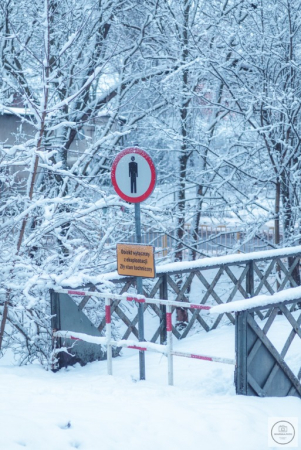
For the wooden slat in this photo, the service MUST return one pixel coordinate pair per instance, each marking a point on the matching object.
(157, 333)
(203, 323)
(194, 317)
(294, 323)
(177, 290)
(184, 288)
(237, 283)
(288, 274)
(130, 324)
(156, 288)
(210, 291)
(263, 278)
(219, 318)
(253, 383)
(210, 287)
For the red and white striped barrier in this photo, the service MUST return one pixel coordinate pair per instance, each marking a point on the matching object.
(128, 343)
(109, 342)
(205, 357)
(133, 298)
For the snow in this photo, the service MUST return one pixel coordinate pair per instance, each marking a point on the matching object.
(84, 408)
(17, 110)
(80, 336)
(259, 300)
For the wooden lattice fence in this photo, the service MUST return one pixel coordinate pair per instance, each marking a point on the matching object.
(208, 281)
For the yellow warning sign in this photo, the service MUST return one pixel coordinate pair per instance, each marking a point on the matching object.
(136, 260)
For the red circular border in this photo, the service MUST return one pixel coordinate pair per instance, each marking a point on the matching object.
(149, 160)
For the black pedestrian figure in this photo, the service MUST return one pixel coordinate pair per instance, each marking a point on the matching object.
(133, 173)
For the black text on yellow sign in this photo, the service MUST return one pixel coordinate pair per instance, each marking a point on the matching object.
(136, 260)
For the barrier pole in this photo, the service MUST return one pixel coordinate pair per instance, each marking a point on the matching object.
(109, 335)
(140, 291)
(169, 345)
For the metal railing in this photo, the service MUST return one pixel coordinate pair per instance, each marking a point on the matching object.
(211, 240)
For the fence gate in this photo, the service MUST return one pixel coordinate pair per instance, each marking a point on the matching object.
(67, 315)
(263, 366)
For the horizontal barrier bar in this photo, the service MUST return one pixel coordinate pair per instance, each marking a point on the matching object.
(132, 344)
(142, 349)
(104, 341)
(146, 345)
(205, 357)
(168, 302)
(137, 298)
(81, 337)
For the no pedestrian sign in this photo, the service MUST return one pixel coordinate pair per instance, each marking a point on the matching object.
(136, 260)
(133, 175)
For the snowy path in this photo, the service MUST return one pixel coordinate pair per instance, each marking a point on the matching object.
(86, 409)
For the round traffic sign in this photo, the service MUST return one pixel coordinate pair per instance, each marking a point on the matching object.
(133, 175)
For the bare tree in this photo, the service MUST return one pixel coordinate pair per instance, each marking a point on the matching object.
(77, 67)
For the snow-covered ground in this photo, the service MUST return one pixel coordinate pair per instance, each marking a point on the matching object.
(84, 408)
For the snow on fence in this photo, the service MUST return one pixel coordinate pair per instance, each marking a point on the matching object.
(141, 346)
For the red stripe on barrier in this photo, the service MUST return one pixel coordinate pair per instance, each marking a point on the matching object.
(200, 307)
(168, 322)
(135, 299)
(205, 358)
(75, 338)
(108, 314)
(137, 348)
(76, 292)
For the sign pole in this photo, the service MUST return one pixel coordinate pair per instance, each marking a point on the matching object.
(140, 291)
(133, 176)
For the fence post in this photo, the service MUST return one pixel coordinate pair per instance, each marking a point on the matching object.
(164, 244)
(163, 296)
(55, 310)
(169, 344)
(240, 374)
(109, 335)
(238, 239)
(241, 381)
(250, 280)
(140, 291)
(55, 324)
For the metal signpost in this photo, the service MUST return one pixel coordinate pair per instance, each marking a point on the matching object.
(133, 176)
